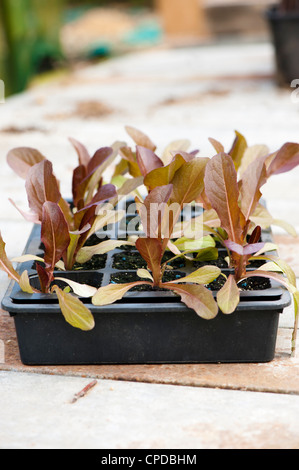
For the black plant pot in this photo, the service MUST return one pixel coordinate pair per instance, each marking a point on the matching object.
(145, 327)
(285, 32)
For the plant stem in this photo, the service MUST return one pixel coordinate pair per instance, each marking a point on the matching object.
(240, 269)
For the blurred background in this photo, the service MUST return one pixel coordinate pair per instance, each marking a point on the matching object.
(39, 38)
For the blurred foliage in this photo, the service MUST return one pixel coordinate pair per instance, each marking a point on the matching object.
(30, 35)
(30, 39)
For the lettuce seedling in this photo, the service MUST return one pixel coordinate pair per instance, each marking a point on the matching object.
(88, 213)
(234, 202)
(243, 156)
(72, 308)
(143, 159)
(159, 213)
(64, 228)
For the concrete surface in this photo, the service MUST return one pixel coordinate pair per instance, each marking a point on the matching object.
(124, 415)
(193, 93)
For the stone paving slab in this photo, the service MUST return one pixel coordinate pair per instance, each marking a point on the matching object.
(37, 412)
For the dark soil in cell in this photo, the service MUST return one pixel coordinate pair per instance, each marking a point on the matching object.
(126, 277)
(91, 241)
(95, 240)
(222, 264)
(131, 208)
(250, 284)
(256, 264)
(255, 283)
(96, 262)
(93, 281)
(130, 260)
(177, 263)
(131, 223)
(217, 284)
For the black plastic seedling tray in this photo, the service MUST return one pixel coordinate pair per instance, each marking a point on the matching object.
(145, 327)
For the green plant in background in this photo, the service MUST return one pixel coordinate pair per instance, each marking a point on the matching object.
(30, 39)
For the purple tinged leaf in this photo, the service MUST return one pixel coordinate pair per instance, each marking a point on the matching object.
(285, 160)
(243, 250)
(29, 216)
(164, 175)
(147, 160)
(140, 138)
(128, 163)
(79, 184)
(22, 159)
(196, 297)
(45, 278)
(83, 174)
(106, 192)
(254, 177)
(217, 145)
(98, 159)
(54, 234)
(228, 297)
(256, 235)
(87, 215)
(235, 247)
(82, 152)
(253, 248)
(67, 212)
(107, 295)
(83, 230)
(127, 154)
(188, 181)
(187, 156)
(221, 187)
(152, 252)
(41, 186)
(153, 209)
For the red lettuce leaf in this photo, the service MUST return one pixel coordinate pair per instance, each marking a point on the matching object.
(152, 252)
(285, 160)
(221, 187)
(54, 234)
(147, 160)
(21, 159)
(41, 186)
